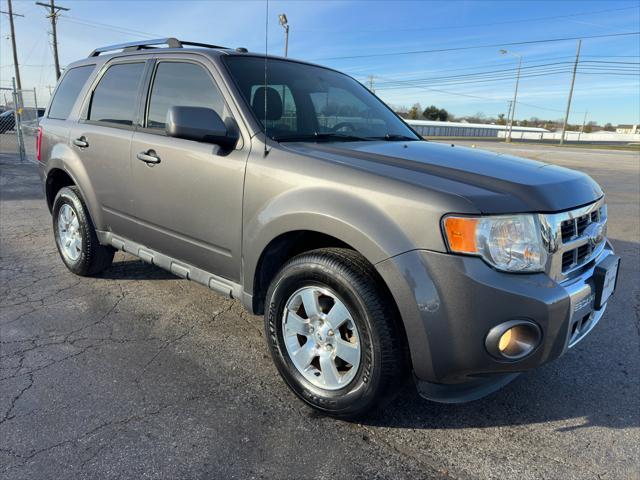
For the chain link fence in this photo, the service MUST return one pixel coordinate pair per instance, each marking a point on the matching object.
(19, 118)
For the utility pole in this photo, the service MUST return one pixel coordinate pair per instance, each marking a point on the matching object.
(54, 12)
(285, 24)
(371, 89)
(584, 122)
(10, 14)
(515, 93)
(506, 122)
(573, 80)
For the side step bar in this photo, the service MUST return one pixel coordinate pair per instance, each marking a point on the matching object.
(177, 267)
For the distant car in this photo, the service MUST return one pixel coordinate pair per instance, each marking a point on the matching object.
(30, 119)
(7, 121)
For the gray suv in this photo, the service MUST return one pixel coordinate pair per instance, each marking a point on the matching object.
(373, 255)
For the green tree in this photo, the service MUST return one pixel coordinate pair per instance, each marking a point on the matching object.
(434, 113)
(501, 119)
(609, 128)
(588, 128)
(414, 111)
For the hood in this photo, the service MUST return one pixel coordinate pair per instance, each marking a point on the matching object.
(492, 182)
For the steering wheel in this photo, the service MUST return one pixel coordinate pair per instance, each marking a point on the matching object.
(347, 125)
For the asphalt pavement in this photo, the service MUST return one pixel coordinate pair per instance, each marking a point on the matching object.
(139, 374)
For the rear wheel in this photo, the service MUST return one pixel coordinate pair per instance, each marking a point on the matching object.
(333, 334)
(76, 236)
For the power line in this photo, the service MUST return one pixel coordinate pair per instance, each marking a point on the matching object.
(503, 79)
(496, 64)
(510, 75)
(632, 66)
(459, 94)
(107, 26)
(475, 47)
(448, 27)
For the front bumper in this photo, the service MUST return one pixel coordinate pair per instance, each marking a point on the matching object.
(448, 303)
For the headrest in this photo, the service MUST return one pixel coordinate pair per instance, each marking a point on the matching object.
(274, 103)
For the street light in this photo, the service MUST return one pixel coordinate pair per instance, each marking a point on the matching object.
(285, 25)
(515, 93)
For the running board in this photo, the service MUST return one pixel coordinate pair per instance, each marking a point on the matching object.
(177, 267)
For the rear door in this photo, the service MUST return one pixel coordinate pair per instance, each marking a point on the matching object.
(102, 139)
(189, 205)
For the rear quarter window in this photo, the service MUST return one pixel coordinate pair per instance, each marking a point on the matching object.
(68, 91)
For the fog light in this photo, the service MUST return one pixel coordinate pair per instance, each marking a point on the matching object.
(505, 340)
(513, 340)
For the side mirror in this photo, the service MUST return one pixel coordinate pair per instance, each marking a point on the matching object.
(199, 124)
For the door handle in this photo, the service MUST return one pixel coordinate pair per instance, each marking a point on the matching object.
(148, 157)
(81, 142)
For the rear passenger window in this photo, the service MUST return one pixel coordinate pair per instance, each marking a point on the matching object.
(184, 85)
(115, 98)
(68, 91)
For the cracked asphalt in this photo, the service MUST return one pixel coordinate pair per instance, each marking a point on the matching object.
(139, 374)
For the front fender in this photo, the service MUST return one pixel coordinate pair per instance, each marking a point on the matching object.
(340, 214)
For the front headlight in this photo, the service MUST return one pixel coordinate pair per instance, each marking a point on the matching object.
(512, 243)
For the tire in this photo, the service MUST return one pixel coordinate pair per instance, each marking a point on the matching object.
(89, 257)
(336, 277)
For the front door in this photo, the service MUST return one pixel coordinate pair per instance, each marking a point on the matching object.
(189, 204)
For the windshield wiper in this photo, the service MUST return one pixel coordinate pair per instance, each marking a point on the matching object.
(319, 136)
(395, 137)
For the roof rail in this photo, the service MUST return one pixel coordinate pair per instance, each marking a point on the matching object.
(170, 42)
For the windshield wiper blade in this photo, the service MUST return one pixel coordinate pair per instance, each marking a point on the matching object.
(395, 137)
(319, 136)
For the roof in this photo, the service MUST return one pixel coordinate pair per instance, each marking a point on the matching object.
(173, 45)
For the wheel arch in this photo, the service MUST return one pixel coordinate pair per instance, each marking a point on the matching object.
(278, 251)
(308, 218)
(60, 173)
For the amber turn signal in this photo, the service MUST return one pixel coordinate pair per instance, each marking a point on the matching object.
(461, 234)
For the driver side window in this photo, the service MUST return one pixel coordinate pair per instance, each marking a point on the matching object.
(181, 84)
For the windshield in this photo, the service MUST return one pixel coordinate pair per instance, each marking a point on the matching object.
(304, 102)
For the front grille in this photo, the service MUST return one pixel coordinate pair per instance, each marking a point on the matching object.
(574, 227)
(582, 253)
(571, 229)
(574, 238)
(568, 230)
(575, 257)
(568, 260)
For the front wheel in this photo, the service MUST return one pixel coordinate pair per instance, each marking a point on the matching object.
(334, 334)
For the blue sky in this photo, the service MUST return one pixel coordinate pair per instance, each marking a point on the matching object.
(324, 30)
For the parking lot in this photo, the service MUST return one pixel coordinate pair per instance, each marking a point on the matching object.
(139, 374)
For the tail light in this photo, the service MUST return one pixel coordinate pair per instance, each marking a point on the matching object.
(39, 145)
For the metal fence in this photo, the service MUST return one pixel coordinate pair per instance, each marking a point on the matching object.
(19, 118)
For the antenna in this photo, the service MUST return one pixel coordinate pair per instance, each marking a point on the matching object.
(266, 52)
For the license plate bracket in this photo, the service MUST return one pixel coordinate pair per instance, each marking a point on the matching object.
(605, 279)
